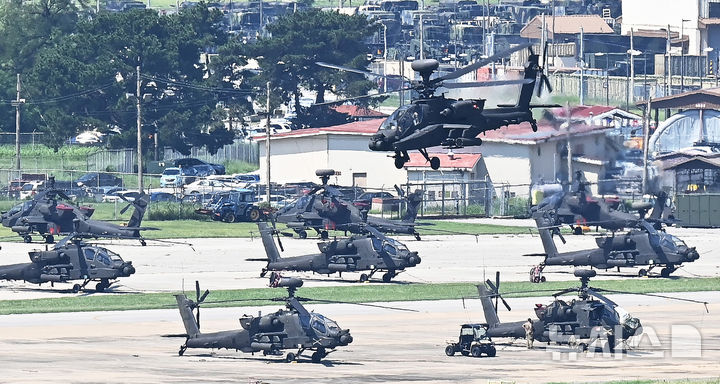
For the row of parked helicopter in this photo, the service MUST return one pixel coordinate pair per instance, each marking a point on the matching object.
(428, 121)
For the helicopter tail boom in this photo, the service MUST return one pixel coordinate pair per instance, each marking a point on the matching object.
(266, 232)
(188, 318)
(491, 316)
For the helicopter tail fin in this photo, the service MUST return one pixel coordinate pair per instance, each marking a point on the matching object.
(140, 205)
(413, 203)
(271, 250)
(491, 317)
(184, 305)
(546, 225)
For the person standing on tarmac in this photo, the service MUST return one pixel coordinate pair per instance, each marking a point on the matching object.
(529, 336)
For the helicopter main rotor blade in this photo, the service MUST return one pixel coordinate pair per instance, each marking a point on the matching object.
(348, 69)
(493, 83)
(363, 304)
(469, 68)
(363, 97)
(656, 295)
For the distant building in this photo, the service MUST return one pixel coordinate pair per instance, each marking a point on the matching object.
(296, 155)
(566, 28)
(359, 113)
(701, 26)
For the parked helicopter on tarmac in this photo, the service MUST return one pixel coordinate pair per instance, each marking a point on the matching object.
(48, 217)
(435, 120)
(372, 252)
(323, 208)
(286, 329)
(71, 259)
(578, 323)
(579, 208)
(643, 246)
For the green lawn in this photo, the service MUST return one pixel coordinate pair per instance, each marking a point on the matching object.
(350, 294)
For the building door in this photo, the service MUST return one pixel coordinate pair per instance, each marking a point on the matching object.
(360, 179)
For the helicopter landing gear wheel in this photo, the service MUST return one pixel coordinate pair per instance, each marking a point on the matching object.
(102, 285)
(142, 243)
(665, 272)
(302, 234)
(577, 231)
(324, 235)
(364, 277)
(182, 350)
(318, 355)
(475, 351)
(450, 350)
(435, 163)
(387, 276)
(76, 288)
(399, 162)
(642, 272)
(49, 239)
(263, 272)
(290, 357)
(582, 347)
(27, 239)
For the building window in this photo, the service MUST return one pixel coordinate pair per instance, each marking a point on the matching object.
(360, 179)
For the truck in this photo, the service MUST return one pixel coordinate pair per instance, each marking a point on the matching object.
(232, 206)
(473, 340)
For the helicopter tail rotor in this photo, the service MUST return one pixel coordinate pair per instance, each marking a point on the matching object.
(495, 291)
(199, 299)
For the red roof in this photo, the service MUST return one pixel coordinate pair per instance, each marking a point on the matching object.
(523, 133)
(583, 111)
(355, 111)
(365, 127)
(458, 160)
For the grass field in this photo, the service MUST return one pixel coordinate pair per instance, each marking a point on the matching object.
(348, 294)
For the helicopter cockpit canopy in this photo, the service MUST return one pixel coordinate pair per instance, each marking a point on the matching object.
(672, 243)
(101, 255)
(323, 325)
(390, 246)
(405, 116)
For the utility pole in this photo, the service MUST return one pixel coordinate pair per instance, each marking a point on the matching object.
(682, 55)
(422, 35)
(17, 103)
(267, 143)
(668, 68)
(384, 57)
(632, 67)
(569, 148)
(582, 69)
(138, 105)
(646, 137)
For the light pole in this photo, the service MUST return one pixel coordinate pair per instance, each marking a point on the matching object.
(607, 76)
(385, 57)
(631, 55)
(682, 55)
(138, 105)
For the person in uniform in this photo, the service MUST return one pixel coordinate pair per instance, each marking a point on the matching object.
(529, 336)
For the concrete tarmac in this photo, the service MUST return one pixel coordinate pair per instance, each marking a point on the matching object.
(223, 264)
(681, 341)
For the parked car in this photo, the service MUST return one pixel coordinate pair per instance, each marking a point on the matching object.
(29, 189)
(163, 196)
(190, 161)
(177, 177)
(204, 170)
(276, 201)
(246, 178)
(350, 193)
(207, 186)
(364, 201)
(233, 206)
(96, 179)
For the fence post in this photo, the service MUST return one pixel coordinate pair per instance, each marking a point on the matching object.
(442, 202)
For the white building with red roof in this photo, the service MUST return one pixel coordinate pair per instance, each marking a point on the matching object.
(296, 155)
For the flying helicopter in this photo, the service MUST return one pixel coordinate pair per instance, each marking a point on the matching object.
(579, 208)
(372, 252)
(290, 328)
(45, 215)
(71, 259)
(641, 246)
(578, 323)
(323, 208)
(453, 123)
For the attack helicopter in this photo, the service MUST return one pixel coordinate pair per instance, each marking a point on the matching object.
(71, 259)
(323, 208)
(453, 123)
(578, 323)
(579, 208)
(45, 215)
(290, 328)
(372, 252)
(642, 246)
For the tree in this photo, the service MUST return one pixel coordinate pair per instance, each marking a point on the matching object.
(97, 66)
(297, 40)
